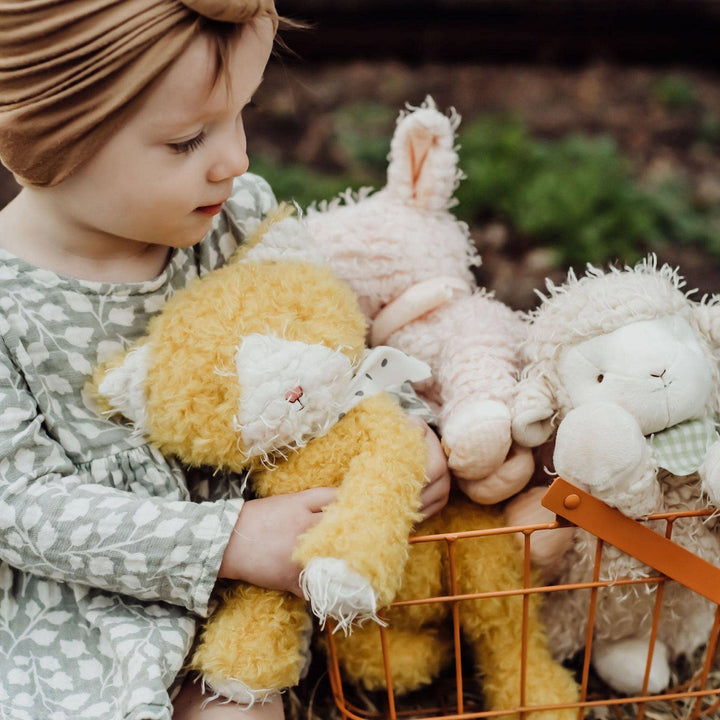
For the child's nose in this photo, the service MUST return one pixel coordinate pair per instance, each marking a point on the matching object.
(232, 160)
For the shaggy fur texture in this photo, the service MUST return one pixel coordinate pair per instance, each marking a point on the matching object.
(598, 303)
(420, 643)
(592, 307)
(391, 246)
(257, 642)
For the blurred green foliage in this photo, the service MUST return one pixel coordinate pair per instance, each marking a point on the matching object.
(709, 130)
(361, 135)
(576, 195)
(299, 183)
(676, 92)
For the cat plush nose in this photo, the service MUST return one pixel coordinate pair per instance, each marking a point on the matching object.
(294, 395)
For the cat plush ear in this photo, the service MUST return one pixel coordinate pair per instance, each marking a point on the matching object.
(423, 162)
(119, 386)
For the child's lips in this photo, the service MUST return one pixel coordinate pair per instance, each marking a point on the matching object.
(210, 209)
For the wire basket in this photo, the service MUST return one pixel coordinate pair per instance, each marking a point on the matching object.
(458, 695)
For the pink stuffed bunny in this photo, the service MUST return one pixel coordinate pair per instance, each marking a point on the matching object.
(410, 262)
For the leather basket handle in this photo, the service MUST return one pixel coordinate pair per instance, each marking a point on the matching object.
(633, 537)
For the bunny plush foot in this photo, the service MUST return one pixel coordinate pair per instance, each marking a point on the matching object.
(476, 437)
(508, 480)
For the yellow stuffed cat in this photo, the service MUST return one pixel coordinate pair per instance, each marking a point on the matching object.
(262, 366)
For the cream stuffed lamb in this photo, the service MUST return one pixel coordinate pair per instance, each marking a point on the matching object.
(623, 372)
(410, 262)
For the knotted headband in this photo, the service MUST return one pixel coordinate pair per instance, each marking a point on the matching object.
(70, 71)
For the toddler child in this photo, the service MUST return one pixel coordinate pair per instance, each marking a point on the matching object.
(122, 120)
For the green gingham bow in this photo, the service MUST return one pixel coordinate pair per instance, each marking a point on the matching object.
(681, 449)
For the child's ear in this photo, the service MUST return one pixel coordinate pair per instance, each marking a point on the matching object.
(423, 168)
(119, 386)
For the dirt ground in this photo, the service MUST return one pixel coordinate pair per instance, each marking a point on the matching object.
(295, 123)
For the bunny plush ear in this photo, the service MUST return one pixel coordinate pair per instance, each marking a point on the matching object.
(423, 168)
(533, 412)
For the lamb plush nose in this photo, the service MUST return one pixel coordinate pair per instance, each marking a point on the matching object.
(658, 375)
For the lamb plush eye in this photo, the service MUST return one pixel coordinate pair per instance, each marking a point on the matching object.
(600, 377)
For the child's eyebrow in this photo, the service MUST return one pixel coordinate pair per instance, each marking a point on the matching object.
(170, 125)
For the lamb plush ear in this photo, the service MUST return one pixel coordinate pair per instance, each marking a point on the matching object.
(119, 386)
(707, 319)
(423, 169)
(533, 411)
(707, 316)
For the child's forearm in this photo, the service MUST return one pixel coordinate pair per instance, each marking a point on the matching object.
(60, 525)
(260, 547)
(148, 548)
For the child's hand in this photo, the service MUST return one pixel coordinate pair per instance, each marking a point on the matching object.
(261, 545)
(434, 496)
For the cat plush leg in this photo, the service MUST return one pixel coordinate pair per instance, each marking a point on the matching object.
(354, 558)
(254, 645)
(418, 638)
(494, 626)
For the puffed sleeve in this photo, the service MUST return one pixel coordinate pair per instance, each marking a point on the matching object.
(59, 522)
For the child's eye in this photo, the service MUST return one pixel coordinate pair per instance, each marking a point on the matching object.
(187, 146)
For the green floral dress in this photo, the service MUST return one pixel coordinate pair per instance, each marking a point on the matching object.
(107, 556)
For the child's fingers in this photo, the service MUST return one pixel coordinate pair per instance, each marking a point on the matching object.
(437, 488)
(435, 495)
(317, 499)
